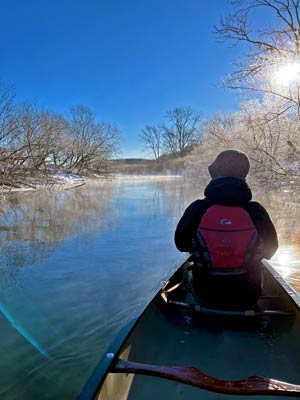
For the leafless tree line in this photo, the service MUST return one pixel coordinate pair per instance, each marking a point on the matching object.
(272, 144)
(34, 143)
(267, 126)
(269, 137)
(271, 66)
(175, 136)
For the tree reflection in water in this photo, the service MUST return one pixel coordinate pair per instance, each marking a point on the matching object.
(33, 224)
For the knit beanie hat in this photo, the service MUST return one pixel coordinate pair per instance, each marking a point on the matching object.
(230, 163)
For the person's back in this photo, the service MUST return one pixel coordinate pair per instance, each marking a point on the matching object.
(224, 287)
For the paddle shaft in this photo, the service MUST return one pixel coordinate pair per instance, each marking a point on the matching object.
(253, 385)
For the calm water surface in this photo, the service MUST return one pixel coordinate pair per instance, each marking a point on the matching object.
(77, 265)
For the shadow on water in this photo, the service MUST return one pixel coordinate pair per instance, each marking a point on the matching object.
(76, 266)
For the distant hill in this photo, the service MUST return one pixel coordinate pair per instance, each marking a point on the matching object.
(133, 161)
(144, 166)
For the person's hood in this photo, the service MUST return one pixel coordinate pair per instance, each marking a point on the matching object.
(228, 191)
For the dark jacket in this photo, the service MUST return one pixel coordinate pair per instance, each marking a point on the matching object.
(231, 192)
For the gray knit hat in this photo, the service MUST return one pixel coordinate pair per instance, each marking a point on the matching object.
(230, 163)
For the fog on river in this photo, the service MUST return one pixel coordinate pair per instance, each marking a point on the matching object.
(76, 265)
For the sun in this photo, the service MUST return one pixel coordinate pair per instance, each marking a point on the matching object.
(287, 73)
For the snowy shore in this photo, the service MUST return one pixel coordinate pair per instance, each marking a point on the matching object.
(71, 181)
(58, 182)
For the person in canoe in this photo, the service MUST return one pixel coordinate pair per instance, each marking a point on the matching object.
(228, 235)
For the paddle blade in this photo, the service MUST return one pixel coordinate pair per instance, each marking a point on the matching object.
(253, 385)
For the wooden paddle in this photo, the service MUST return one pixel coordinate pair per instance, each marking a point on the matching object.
(251, 386)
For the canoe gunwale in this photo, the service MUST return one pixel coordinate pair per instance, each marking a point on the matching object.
(287, 288)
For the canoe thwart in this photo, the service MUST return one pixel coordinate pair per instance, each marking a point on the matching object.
(253, 385)
(198, 308)
(243, 313)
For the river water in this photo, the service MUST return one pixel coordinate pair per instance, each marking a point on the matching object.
(76, 265)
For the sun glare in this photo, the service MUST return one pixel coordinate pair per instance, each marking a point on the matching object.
(284, 260)
(288, 73)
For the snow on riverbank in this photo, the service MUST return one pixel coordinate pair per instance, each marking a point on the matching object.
(58, 182)
(63, 181)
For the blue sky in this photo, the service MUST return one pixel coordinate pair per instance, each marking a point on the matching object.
(129, 61)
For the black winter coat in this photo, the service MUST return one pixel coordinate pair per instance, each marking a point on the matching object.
(231, 192)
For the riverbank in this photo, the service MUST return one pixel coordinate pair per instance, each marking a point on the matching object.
(57, 182)
(68, 181)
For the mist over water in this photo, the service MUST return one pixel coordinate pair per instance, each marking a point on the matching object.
(77, 265)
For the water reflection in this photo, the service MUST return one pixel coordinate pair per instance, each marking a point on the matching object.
(284, 209)
(33, 224)
(76, 265)
(286, 261)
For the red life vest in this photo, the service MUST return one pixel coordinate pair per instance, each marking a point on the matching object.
(227, 233)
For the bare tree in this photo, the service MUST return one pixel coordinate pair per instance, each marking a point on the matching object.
(28, 146)
(55, 139)
(272, 144)
(93, 143)
(11, 148)
(273, 51)
(151, 136)
(38, 131)
(265, 140)
(182, 130)
(33, 140)
(219, 130)
(8, 123)
(7, 114)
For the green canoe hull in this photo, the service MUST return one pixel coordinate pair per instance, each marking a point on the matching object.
(225, 347)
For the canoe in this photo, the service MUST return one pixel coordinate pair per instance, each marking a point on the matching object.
(178, 349)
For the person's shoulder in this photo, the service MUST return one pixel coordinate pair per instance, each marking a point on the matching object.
(198, 206)
(256, 209)
(199, 203)
(255, 205)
